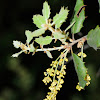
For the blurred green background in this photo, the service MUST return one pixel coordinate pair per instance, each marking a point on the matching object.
(21, 78)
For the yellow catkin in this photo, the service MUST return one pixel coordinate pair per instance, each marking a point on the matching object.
(66, 59)
(87, 79)
(55, 76)
(82, 54)
(78, 87)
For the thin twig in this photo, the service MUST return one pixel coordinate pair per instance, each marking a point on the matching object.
(62, 47)
(50, 49)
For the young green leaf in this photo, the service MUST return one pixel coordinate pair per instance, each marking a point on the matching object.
(78, 19)
(58, 35)
(38, 32)
(32, 49)
(49, 54)
(93, 38)
(39, 20)
(80, 70)
(28, 35)
(17, 54)
(58, 19)
(44, 40)
(46, 10)
(16, 44)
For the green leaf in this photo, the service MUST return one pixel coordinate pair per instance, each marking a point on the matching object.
(17, 54)
(58, 19)
(39, 20)
(79, 20)
(58, 35)
(32, 49)
(46, 10)
(93, 38)
(38, 32)
(28, 35)
(80, 70)
(44, 40)
(49, 54)
(99, 5)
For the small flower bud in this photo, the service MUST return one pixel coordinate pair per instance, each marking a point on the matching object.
(80, 44)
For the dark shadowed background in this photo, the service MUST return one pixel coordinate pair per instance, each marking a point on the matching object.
(21, 78)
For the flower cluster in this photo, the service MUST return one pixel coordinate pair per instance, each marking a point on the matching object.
(55, 75)
(78, 87)
(87, 79)
(82, 54)
(80, 43)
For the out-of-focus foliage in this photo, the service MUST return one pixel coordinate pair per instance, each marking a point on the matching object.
(93, 38)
